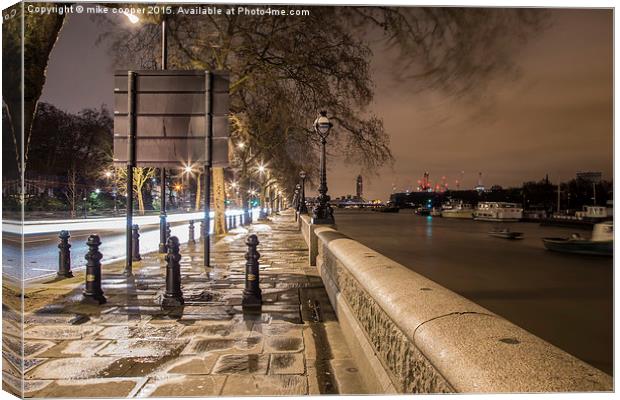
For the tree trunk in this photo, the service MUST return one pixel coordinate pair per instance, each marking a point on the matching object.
(219, 199)
(198, 191)
(140, 201)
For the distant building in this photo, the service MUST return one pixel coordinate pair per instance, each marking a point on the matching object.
(480, 186)
(359, 187)
(593, 177)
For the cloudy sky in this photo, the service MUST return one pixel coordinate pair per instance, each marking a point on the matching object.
(555, 118)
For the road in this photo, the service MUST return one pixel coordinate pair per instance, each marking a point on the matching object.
(562, 298)
(41, 247)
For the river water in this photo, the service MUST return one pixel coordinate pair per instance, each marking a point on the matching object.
(565, 299)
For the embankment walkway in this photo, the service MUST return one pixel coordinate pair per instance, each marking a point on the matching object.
(130, 347)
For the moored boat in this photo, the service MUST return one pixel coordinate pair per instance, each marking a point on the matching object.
(461, 210)
(506, 233)
(601, 243)
(498, 211)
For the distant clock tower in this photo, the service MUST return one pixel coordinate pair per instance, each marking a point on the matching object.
(359, 187)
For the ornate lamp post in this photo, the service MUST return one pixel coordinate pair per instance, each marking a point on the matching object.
(303, 208)
(296, 201)
(322, 212)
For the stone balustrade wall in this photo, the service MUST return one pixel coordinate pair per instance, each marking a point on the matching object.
(412, 335)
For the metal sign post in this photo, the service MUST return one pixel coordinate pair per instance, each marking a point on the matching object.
(208, 165)
(131, 162)
(162, 203)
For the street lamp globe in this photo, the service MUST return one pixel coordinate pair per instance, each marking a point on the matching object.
(188, 169)
(322, 124)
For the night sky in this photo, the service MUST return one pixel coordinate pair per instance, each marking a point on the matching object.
(554, 118)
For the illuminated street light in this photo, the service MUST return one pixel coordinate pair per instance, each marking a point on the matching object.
(132, 17)
(240, 145)
(97, 191)
(108, 174)
(322, 212)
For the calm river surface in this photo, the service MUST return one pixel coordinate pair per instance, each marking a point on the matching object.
(562, 298)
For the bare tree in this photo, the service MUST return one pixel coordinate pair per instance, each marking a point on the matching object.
(71, 190)
(141, 175)
(284, 70)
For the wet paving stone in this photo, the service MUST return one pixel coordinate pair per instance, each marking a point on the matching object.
(286, 363)
(51, 319)
(184, 386)
(277, 329)
(34, 347)
(155, 332)
(265, 385)
(15, 361)
(277, 344)
(74, 348)
(198, 346)
(59, 332)
(193, 365)
(85, 388)
(217, 330)
(141, 348)
(121, 319)
(241, 364)
(139, 366)
(71, 368)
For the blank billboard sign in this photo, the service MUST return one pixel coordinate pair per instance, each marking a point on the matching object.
(171, 114)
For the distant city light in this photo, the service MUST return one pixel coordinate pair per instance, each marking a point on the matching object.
(108, 174)
(240, 145)
(97, 190)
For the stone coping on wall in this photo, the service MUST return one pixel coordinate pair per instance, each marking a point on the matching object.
(429, 339)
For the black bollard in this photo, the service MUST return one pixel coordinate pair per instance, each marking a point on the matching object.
(135, 248)
(64, 255)
(173, 296)
(252, 297)
(93, 291)
(192, 239)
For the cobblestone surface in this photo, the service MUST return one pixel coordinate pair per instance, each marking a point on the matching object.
(130, 347)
